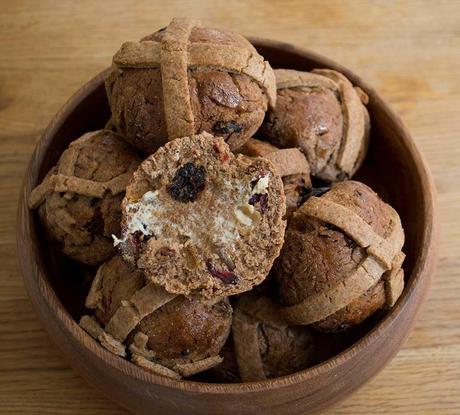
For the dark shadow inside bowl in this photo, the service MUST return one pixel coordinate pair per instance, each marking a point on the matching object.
(389, 169)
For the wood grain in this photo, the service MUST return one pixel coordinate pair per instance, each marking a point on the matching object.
(407, 50)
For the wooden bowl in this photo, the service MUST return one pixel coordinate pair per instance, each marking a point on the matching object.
(394, 167)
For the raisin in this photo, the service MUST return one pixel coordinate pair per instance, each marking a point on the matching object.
(254, 199)
(187, 183)
(261, 199)
(350, 242)
(227, 127)
(223, 155)
(226, 277)
(305, 193)
(332, 227)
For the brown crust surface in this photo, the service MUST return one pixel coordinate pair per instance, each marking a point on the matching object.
(221, 242)
(185, 331)
(290, 164)
(257, 148)
(79, 200)
(355, 312)
(287, 162)
(114, 282)
(296, 189)
(264, 346)
(321, 113)
(139, 117)
(211, 80)
(337, 248)
(164, 333)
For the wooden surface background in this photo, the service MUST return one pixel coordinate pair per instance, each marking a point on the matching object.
(408, 50)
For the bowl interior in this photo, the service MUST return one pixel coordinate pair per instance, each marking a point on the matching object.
(389, 169)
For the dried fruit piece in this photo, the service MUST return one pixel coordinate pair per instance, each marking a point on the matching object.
(226, 277)
(188, 182)
(227, 127)
(260, 200)
(306, 193)
(265, 346)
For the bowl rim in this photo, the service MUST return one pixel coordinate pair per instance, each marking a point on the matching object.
(38, 279)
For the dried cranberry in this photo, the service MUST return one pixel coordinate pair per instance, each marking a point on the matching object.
(188, 181)
(226, 277)
(136, 241)
(223, 155)
(132, 246)
(227, 127)
(263, 202)
(261, 199)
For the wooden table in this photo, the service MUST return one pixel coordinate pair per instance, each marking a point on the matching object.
(409, 50)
